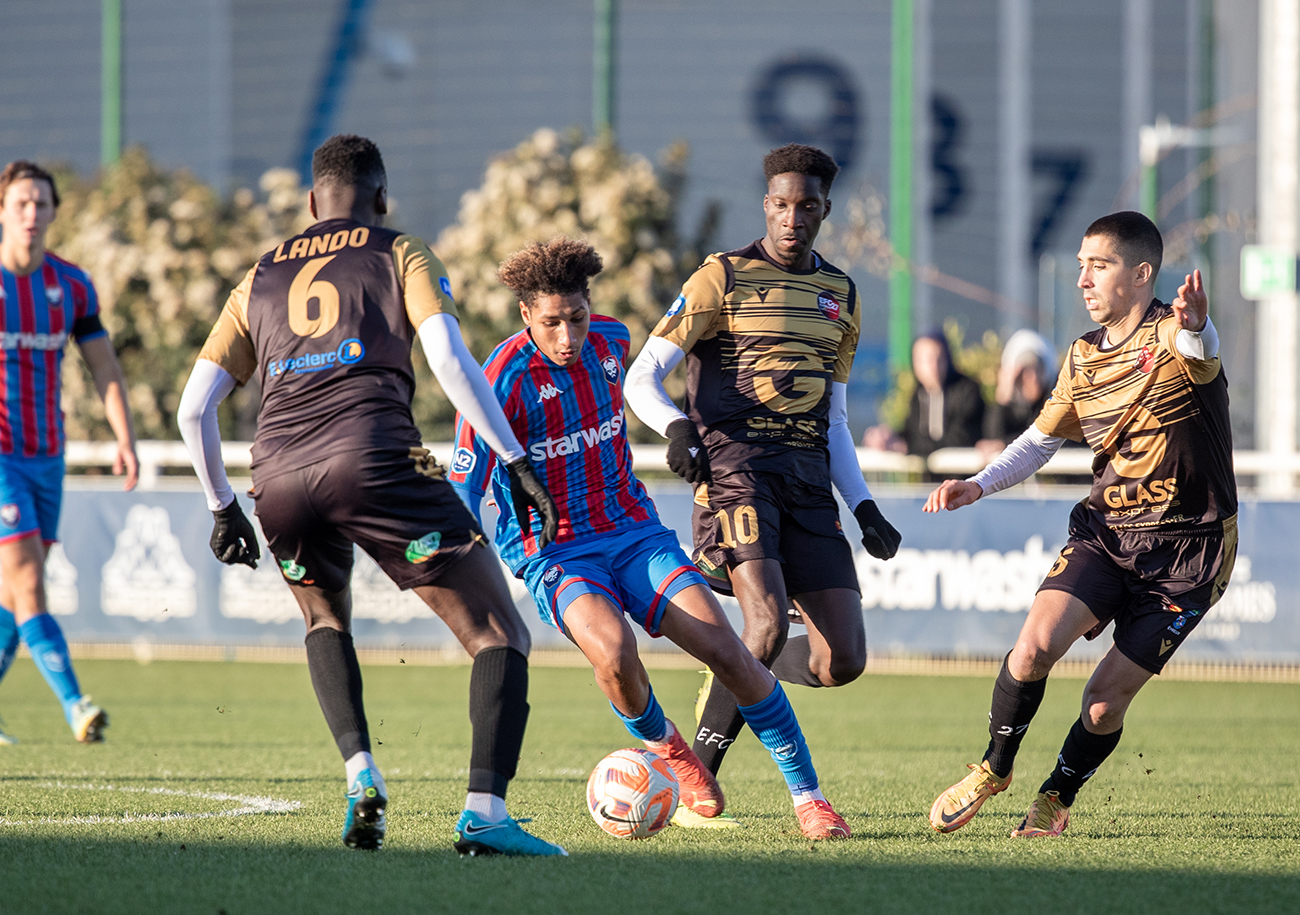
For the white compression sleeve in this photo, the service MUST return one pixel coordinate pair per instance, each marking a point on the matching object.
(845, 471)
(1199, 345)
(1018, 461)
(208, 386)
(644, 388)
(466, 386)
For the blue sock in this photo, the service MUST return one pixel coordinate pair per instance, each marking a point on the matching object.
(45, 641)
(650, 725)
(773, 721)
(8, 640)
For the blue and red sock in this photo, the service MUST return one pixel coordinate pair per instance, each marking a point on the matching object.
(774, 723)
(45, 641)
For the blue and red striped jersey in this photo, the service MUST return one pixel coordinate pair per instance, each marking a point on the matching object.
(38, 313)
(571, 423)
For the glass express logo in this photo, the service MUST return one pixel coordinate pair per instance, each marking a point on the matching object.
(349, 352)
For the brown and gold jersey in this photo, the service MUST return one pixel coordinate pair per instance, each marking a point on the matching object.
(1157, 423)
(326, 321)
(763, 345)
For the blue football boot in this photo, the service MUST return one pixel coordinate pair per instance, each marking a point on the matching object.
(476, 836)
(365, 825)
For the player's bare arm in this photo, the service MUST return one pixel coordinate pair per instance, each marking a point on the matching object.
(111, 385)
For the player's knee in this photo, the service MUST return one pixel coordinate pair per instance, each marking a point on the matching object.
(843, 668)
(1030, 661)
(1102, 713)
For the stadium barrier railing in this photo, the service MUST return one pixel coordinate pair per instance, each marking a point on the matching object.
(158, 457)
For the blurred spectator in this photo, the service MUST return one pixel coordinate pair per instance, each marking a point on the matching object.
(946, 411)
(1024, 384)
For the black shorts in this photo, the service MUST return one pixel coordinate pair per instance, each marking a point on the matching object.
(1156, 587)
(744, 516)
(396, 506)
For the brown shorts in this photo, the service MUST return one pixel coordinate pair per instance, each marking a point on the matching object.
(744, 516)
(394, 505)
(1156, 587)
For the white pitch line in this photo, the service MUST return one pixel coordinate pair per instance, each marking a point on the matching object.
(250, 804)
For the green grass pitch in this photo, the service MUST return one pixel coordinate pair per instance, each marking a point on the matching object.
(1196, 811)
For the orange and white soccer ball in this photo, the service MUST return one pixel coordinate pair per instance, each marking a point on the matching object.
(632, 794)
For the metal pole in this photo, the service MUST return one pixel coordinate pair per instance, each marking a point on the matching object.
(1014, 114)
(110, 109)
(605, 68)
(1279, 150)
(1137, 80)
(900, 186)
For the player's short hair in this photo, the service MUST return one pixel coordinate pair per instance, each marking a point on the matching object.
(1136, 237)
(806, 160)
(20, 169)
(347, 160)
(562, 266)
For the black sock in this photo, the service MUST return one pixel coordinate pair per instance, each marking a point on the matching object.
(1081, 754)
(336, 676)
(1015, 702)
(793, 663)
(720, 725)
(498, 713)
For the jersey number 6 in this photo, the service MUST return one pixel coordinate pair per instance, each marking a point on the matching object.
(306, 287)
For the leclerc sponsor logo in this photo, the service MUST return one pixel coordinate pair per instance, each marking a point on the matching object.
(578, 441)
(349, 352)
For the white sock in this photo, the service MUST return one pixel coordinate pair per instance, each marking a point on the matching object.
(804, 797)
(358, 764)
(665, 740)
(487, 805)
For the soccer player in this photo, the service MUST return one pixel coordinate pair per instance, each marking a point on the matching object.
(44, 300)
(326, 321)
(1153, 545)
(768, 333)
(560, 381)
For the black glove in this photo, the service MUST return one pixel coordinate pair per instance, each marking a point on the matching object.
(233, 538)
(878, 535)
(687, 456)
(527, 491)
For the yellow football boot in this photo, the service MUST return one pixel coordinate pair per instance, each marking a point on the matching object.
(958, 805)
(1047, 816)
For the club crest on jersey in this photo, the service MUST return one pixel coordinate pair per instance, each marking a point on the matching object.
(462, 461)
(1146, 361)
(830, 308)
(676, 308)
(54, 295)
(552, 575)
(10, 515)
(610, 365)
(445, 285)
(547, 391)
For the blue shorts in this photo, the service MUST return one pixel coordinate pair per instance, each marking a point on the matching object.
(31, 495)
(640, 570)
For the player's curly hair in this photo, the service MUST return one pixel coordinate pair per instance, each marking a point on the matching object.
(562, 266)
(1135, 236)
(806, 160)
(20, 169)
(347, 160)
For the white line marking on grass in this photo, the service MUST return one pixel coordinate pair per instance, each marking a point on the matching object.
(249, 805)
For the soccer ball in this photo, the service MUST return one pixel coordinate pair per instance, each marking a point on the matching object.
(632, 794)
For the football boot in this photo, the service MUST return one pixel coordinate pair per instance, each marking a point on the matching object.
(476, 836)
(88, 721)
(365, 824)
(958, 805)
(817, 820)
(698, 789)
(1047, 816)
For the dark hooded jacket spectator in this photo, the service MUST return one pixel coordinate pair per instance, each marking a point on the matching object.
(947, 408)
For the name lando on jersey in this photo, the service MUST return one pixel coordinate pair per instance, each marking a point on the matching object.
(577, 441)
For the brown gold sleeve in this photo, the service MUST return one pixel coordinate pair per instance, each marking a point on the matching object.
(229, 343)
(694, 311)
(848, 343)
(1059, 416)
(424, 280)
(1201, 371)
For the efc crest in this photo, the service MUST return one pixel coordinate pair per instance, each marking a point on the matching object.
(676, 308)
(829, 307)
(462, 461)
(552, 575)
(610, 365)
